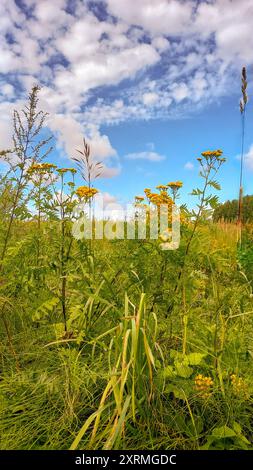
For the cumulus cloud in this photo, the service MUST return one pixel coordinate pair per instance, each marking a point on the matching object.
(70, 138)
(150, 98)
(155, 16)
(189, 166)
(149, 156)
(248, 158)
(101, 71)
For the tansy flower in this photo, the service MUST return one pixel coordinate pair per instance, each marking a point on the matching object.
(162, 187)
(41, 167)
(203, 385)
(212, 153)
(238, 385)
(175, 184)
(174, 187)
(64, 170)
(86, 192)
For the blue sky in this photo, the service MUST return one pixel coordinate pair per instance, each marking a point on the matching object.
(150, 84)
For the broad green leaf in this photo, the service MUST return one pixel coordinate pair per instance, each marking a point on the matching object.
(183, 370)
(169, 372)
(194, 359)
(223, 432)
(177, 392)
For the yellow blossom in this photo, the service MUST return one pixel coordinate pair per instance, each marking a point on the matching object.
(41, 167)
(64, 170)
(175, 184)
(203, 385)
(86, 192)
(238, 385)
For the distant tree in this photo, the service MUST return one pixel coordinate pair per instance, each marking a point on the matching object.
(228, 211)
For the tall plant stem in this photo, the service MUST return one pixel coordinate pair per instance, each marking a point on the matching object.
(196, 221)
(11, 347)
(63, 264)
(240, 202)
(15, 203)
(11, 219)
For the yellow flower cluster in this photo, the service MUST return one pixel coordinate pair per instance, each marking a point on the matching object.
(212, 153)
(64, 170)
(238, 384)
(162, 187)
(175, 184)
(161, 198)
(211, 156)
(86, 192)
(41, 167)
(158, 199)
(203, 385)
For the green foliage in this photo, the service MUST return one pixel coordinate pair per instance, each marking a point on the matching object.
(118, 344)
(228, 211)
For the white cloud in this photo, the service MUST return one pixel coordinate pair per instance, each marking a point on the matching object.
(70, 139)
(161, 43)
(149, 156)
(248, 158)
(107, 198)
(6, 110)
(155, 16)
(104, 69)
(180, 91)
(198, 46)
(188, 166)
(7, 90)
(150, 98)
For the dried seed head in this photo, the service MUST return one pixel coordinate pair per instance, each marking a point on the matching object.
(244, 73)
(244, 88)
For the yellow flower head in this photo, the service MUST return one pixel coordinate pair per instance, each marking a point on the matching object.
(162, 187)
(238, 385)
(86, 192)
(64, 170)
(203, 385)
(41, 168)
(212, 153)
(175, 184)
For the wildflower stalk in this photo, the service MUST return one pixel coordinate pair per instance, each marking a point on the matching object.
(64, 205)
(210, 165)
(90, 171)
(243, 104)
(25, 151)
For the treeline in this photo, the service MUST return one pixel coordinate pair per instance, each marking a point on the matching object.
(228, 211)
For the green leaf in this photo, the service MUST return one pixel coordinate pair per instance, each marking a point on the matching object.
(44, 310)
(237, 428)
(196, 192)
(199, 426)
(223, 432)
(215, 185)
(168, 372)
(177, 392)
(183, 370)
(194, 359)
